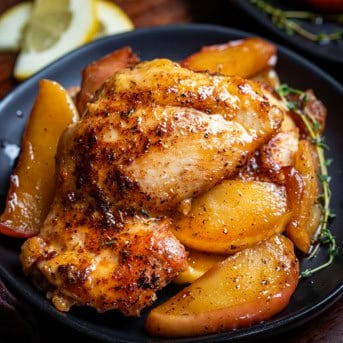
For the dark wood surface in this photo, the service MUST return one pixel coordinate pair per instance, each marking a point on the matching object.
(327, 326)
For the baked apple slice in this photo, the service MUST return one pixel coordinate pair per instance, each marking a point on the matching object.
(33, 180)
(302, 189)
(232, 216)
(247, 288)
(245, 58)
(198, 264)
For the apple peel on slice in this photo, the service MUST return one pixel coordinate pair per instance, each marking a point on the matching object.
(33, 180)
(246, 288)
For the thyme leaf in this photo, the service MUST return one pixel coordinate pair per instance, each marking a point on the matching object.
(106, 243)
(145, 213)
(324, 236)
(288, 21)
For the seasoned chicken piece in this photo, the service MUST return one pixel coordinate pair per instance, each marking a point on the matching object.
(89, 262)
(96, 73)
(159, 133)
(280, 151)
(155, 135)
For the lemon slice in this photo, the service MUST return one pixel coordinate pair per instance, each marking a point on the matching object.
(12, 23)
(112, 19)
(55, 28)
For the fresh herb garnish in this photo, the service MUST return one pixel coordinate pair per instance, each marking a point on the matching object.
(312, 126)
(284, 20)
(106, 243)
(145, 213)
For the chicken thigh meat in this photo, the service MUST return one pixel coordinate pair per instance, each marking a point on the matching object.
(155, 135)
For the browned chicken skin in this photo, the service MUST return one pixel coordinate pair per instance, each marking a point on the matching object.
(96, 73)
(156, 135)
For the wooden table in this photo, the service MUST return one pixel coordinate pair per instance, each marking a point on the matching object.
(328, 326)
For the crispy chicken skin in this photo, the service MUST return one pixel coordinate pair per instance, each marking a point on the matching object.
(155, 135)
(96, 73)
(159, 133)
(107, 267)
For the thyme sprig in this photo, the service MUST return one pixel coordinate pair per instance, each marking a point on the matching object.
(286, 20)
(323, 236)
(106, 243)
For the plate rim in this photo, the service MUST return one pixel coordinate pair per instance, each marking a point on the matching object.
(162, 28)
(268, 328)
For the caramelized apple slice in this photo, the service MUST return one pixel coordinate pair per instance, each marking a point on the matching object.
(302, 190)
(232, 216)
(245, 58)
(245, 289)
(32, 183)
(198, 264)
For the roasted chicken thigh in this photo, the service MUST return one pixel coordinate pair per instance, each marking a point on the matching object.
(155, 135)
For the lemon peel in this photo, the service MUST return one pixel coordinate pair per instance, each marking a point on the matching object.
(12, 24)
(81, 28)
(112, 19)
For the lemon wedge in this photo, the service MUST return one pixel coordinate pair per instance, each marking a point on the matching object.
(12, 24)
(55, 28)
(112, 19)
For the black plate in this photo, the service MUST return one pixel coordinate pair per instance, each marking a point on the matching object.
(176, 42)
(332, 51)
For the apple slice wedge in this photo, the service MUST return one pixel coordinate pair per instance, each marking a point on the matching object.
(198, 264)
(303, 190)
(245, 58)
(246, 288)
(232, 216)
(33, 180)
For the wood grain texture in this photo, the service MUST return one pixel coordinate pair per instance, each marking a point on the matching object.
(7, 59)
(328, 326)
